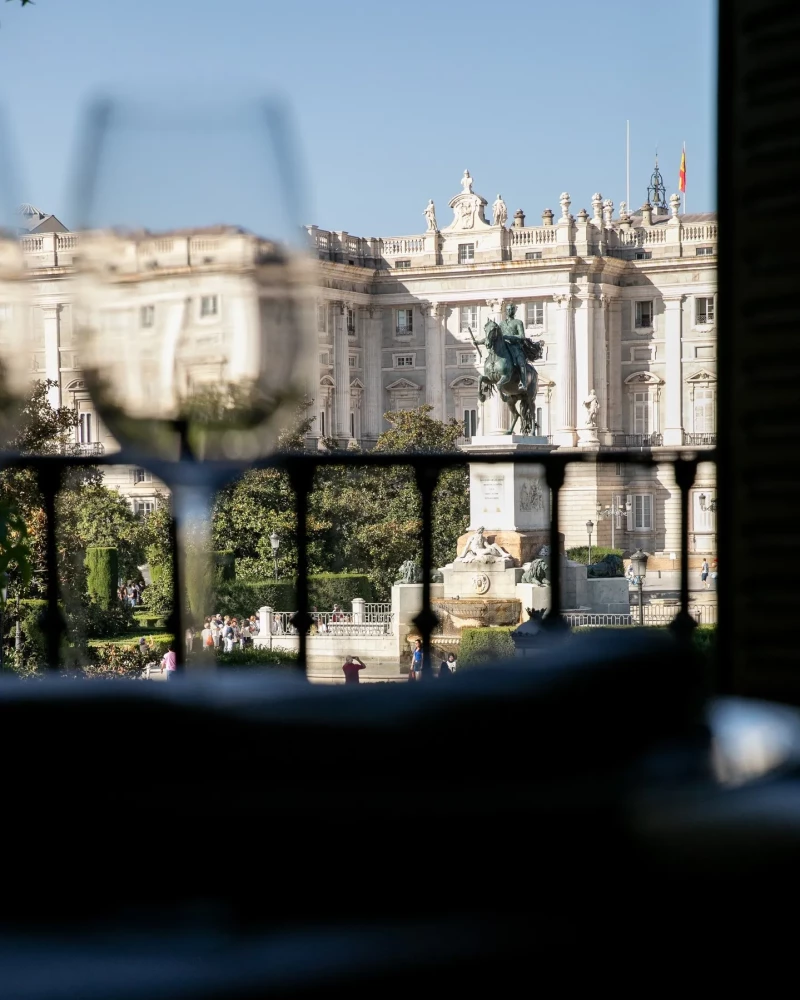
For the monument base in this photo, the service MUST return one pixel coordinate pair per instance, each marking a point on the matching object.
(521, 545)
(477, 579)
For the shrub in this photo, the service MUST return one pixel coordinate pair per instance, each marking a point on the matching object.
(485, 645)
(580, 553)
(102, 566)
(245, 597)
(225, 564)
(256, 657)
(327, 589)
(31, 618)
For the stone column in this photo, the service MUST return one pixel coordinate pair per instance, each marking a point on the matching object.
(601, 367)
(584, 366)
(614, 368)
(341, 375)
(52, 347)
(434, 395)
(358, 610)
(265, 624)
(373, 381)
(565, 432)
(673, 423)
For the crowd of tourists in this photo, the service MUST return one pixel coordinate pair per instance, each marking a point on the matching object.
(223, 633)
(130, 592)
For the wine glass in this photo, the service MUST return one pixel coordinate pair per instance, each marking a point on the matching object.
(194, 294)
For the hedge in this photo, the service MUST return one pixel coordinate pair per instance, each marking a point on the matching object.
(225, 564)
(102, 575)
(580, 553)
(485, 645)
(244, 597)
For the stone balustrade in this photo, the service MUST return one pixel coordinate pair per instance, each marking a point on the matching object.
(665, 237)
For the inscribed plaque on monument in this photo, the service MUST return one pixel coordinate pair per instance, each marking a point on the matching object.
(492, 490)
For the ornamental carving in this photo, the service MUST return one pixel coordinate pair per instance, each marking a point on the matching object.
(531, 497)
(480, 583)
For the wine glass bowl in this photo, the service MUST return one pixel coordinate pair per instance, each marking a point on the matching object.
(194, 331)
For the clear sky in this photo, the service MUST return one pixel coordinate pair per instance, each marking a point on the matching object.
(392, 101)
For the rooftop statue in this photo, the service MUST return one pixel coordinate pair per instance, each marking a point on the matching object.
(430, 216)
(466, 183)
(508, 368)
(499, 212)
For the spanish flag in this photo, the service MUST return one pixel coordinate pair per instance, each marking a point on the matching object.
(682, 172)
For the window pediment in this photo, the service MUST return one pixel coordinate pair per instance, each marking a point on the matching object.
(702, 376)
(644, 378)
(403, 385)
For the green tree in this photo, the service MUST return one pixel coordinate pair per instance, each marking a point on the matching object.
(102, 565)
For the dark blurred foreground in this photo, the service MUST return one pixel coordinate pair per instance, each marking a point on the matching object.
(250, 838)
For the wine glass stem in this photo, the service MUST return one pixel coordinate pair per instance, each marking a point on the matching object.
(193, 568)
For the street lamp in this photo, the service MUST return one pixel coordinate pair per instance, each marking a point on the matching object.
(639, 565)
(590, 529)
(275, 542)
(711, 507)
(613, 511)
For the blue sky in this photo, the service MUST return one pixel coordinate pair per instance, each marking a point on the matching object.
(391, 102)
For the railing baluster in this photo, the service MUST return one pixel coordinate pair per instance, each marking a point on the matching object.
(685, 472)
(301, 476)
(554, 475)
(427, 477)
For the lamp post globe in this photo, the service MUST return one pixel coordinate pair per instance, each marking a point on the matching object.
(275, 542)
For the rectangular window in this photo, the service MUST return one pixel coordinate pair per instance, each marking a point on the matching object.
(351, 322)
(323, 358)
(641, 413)
(704, 310)
(703, 251)
(85, 428)
(534, 314)
(470, 422)
(539, 425)
(404, 361)
(467, 358)
(704, 411)
(466, 253)
(642, 512)
(620, 469)
(144, 507)
(142, 476)
(147, 316)
(209, 305)
(352, 425)
(322, 316)
(322, 423)
(643, 313)
(468, 319)
(353, 361)
(533, 255)
(402, 263)
(405, 322)
(642, 255)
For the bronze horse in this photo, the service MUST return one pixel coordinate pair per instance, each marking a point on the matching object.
(501, 371)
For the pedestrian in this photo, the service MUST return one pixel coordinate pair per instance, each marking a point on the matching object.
(208, 639)
(704, 573)
(451, 665)
(416, 662)
(351, 667)
(189, 639)
(444, 669)
(169, 662)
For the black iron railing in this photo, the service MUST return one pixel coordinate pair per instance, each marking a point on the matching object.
(300, 468)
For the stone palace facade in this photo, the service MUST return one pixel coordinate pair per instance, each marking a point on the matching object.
(625, 304)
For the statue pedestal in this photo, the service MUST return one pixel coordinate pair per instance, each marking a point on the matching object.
(587, 437)
(512, 502)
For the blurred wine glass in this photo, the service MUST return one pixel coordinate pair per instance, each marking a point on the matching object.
(194, 291)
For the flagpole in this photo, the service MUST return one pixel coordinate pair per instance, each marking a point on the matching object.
(684, 183)
(628, 164)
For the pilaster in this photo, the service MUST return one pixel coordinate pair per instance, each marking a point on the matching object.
(51, 315)
(673, 334)
(434, 367)
(584, 365)
(341, 374)
(373, 383)
(565, 379)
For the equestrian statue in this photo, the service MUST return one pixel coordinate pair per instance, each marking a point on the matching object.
(508, 368)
